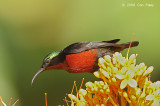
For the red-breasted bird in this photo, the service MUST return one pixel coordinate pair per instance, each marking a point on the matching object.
(82, 56)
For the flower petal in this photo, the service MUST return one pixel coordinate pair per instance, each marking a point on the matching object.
(155, 102)
(123, 70)
(72, 97)
(123, 61)
(140, 72)
(130, 73)
(124, 84)
(138, 92)
(83, 92)
(105, 73)
(89, 84)
(142, 66)
(132, 83)
(149, 97)
(101, 60)
(107, 58)
(114, 61)
(114, 69)
(148, 71)
(120, 76)
(132, 57)
(97, 74)
(158, 92)
(157, 84)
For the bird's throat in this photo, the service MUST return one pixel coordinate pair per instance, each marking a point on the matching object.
(60, 66)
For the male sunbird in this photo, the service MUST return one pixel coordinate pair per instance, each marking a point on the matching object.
(82, 56)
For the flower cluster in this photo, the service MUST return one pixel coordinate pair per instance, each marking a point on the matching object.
(123, 82)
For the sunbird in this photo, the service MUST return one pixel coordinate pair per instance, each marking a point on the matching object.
(82, 56)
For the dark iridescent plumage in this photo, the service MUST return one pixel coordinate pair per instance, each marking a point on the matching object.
(82, 56)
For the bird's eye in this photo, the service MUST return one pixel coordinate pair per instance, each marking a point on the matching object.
(47, 61)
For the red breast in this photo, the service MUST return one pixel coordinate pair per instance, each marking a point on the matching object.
(82, 62)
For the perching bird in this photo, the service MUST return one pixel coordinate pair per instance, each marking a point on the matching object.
(82, 56)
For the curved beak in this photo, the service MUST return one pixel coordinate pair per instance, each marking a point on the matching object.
(36, 75)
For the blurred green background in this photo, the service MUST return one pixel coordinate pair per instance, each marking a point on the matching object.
(31, 29)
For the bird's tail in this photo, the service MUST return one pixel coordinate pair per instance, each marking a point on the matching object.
(132, 44)
(120, 47)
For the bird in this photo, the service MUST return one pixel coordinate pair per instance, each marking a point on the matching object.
(81, 57)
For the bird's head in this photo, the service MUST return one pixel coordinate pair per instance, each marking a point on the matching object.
(49, 63)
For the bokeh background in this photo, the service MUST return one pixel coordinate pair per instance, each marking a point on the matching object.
(31, 29)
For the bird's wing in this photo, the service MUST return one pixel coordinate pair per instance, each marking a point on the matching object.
(112, 41)
(84, 46)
